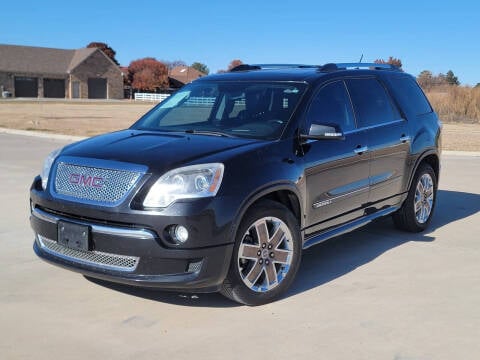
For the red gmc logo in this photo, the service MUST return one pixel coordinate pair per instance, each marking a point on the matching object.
(84, 180)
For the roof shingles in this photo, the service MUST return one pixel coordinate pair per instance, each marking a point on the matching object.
(29, 59)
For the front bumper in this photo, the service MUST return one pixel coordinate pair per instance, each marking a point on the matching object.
(133, 256)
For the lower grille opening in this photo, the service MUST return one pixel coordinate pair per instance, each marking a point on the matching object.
(95, 258)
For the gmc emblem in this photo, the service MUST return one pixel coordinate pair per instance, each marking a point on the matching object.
(85, 180)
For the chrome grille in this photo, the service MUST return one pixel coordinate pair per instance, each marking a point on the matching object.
(96, 258)
(101, 185)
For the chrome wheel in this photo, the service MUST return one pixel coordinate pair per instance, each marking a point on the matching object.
(265, 254)
(423, 202)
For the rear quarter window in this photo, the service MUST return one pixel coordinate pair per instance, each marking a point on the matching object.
(372, 104)
(409, 95)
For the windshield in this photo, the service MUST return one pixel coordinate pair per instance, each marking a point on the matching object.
(242, 109)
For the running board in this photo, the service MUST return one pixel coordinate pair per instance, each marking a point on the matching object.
(345, 228)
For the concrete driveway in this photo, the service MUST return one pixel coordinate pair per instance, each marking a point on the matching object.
(376, 293)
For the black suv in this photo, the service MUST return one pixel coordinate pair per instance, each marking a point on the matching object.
(221, 186)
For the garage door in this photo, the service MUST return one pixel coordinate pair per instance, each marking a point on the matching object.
(97, 88)
(54, 88)
(26, 86)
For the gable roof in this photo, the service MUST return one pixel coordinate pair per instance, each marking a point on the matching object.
(31, 59)
(184, 74)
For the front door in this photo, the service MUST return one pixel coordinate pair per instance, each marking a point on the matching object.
(337, 171)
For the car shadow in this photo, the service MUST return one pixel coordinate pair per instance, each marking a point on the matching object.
(336, 257)
(339, 256)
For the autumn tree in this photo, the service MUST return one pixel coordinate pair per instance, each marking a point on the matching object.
(201, 67)
(148, 74)
(107, 50)
(425, 79)
(391, 60)
(234, 64)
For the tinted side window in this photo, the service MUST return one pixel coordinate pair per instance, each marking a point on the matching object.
(371, 102)
(409, 95)
(331, 106)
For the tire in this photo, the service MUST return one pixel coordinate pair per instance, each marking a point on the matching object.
(266, 255)
(417, 210)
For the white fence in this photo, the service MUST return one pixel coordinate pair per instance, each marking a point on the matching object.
(150, 97)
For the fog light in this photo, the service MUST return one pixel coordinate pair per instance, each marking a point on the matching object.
(179, 233)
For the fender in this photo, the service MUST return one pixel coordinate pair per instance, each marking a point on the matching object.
(419, 161)
(263, 191)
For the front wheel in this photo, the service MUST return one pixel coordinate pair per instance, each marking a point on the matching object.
(417, 210)
(266, 255)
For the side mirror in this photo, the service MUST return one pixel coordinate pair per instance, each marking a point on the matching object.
(322, 132)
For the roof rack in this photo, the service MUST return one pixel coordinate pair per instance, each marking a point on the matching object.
(344, 66)
(329, 67)
(245, 67)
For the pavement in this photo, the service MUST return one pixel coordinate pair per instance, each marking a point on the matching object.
(375, 293)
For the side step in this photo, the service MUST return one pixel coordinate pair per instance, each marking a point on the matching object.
(345, 228)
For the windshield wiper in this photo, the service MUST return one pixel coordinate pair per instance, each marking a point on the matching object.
(209, 132)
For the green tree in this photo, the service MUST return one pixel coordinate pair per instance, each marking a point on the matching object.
(201, 67)
(451, 79)
(107, 50)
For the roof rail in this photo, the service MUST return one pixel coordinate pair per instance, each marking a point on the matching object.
(245, 67)
(329, 67)
(343, 66)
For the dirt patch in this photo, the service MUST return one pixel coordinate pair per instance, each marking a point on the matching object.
(71, 118)
(92, 118)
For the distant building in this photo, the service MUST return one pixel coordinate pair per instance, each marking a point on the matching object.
(181, 75)
(27, 71)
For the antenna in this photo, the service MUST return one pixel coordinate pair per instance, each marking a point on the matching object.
(361, 58)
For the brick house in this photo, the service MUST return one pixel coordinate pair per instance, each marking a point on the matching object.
(86, 73)
(181, 75)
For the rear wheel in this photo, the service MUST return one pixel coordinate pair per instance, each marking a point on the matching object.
(266, 255)
(417, 210)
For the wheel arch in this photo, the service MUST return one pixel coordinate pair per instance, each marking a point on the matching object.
(286, 194)
(431, 158)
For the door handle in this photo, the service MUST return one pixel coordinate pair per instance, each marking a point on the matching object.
(359, 150)
(404, 138)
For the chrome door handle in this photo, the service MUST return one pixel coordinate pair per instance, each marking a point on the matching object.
(361, 150)
(404, 138)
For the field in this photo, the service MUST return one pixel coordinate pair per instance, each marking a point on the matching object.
(88, 118)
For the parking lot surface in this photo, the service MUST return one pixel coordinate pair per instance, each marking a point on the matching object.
(375, 293)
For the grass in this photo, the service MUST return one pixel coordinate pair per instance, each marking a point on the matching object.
(456, 104)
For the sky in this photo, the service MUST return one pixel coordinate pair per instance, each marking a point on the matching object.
(426, 35)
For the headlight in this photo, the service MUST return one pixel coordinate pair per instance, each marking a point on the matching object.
(47, 165)
(189, 182)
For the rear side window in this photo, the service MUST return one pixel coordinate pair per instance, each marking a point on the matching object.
(409, 95)
(371, 102)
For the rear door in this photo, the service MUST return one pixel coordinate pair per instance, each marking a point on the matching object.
(388, 140)
(336, 171)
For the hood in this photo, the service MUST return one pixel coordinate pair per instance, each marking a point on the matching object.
(158, 151)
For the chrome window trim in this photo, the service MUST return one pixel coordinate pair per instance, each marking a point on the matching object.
(374, 126)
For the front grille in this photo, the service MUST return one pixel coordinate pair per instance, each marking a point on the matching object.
(99, 185)
(96, 258)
